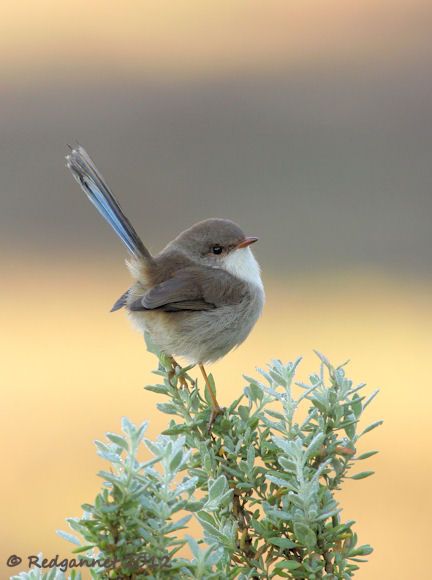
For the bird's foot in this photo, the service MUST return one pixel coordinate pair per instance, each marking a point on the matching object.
(183, 383)
(176, 369)
(215, 412)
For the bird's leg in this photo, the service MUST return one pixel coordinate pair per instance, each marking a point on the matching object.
(216, 409)
(174, 365)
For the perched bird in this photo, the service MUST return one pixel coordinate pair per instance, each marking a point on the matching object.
(200, 296)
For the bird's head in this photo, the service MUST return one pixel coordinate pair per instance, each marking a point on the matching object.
(220, 243)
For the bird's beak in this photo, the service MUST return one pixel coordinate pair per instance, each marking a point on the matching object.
(246, 242)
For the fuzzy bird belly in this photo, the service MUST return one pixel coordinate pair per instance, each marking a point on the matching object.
(201, 336)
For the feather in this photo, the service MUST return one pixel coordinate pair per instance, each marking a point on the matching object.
(120, 302)
(96, 189)
(184, 291)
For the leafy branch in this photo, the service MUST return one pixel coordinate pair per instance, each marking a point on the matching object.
(261, 484)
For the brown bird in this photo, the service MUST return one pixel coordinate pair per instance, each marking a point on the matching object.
(200, 296)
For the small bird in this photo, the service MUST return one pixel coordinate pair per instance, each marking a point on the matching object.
(199, 297)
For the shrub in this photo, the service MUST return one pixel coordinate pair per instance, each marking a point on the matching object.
(261, 484)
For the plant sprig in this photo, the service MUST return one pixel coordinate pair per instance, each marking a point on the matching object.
(261, 485)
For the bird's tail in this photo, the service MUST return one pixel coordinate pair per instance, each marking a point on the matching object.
(93, 184)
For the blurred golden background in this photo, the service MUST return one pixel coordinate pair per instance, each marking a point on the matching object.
(309, 123)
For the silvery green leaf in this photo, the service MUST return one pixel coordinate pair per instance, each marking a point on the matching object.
(287, 565)
(176, 461)
(207, 518)
(362, 475)
(109, 456)
(213, 556)
(127, 426)
(210, 526)
(217, 487)
(109, 508)
(283, 543)
(366, 455)
(168, 408)
(356, 389)
(186, 485)
(323, 359)
(194, 506)
(275, 414)
(327, 515)
(254, 392)
(243, 411)
(265, 374)
(140, 431)
(279, 514)
(68, 537)
(319, 403)
(108, 476)
(251, 457)
(118, 440)
(180, 524)
(75, 523)
(226, 497)
(154, 447)
(283, 444)
(101, 446)
(315, 444)
(350, 430)
(287, 464)
(364, 550)
(178, 429)
(148, 503)
(356, 406)
(281, 482)
(193, 544)
(83, 549)
(304, 534)
(159, 389)
(370, 398)
(212, 505)
(278, 378)
(235, 404)
(371, 427)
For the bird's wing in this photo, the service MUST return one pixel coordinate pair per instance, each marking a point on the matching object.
(120, 302)
(194, 288)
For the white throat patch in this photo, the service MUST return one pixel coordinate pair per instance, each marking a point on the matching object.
(242, 264)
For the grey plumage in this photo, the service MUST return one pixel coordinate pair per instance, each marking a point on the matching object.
(200, 297)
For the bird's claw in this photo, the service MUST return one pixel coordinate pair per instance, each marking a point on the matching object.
(215, 412)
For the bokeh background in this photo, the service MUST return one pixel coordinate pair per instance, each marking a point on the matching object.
(307, 122)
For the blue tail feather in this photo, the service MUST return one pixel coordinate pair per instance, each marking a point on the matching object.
(93, 184)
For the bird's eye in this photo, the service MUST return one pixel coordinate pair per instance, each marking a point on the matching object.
(217, 249)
